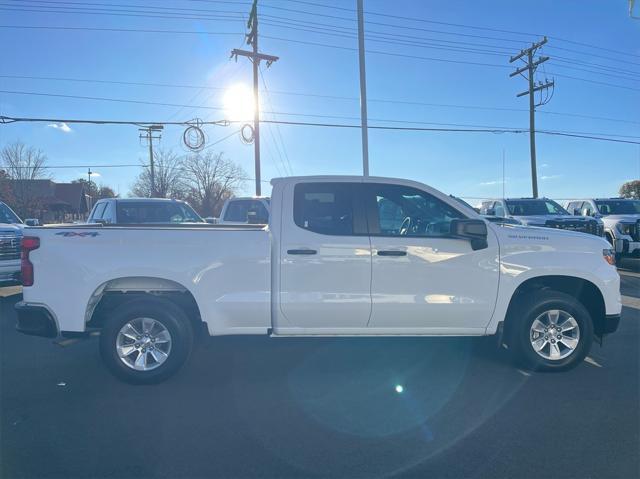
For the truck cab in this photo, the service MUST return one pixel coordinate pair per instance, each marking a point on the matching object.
(620, 217)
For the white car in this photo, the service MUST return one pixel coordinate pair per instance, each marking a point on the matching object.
(341, 256)
(245, 210)
(621, 218)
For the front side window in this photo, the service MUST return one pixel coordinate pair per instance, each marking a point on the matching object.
(534, 207)
(109, 212)
(406, 211)
(98, 211)
(325, 208)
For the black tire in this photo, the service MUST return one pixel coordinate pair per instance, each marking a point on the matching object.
(531, 306)
(161, 310)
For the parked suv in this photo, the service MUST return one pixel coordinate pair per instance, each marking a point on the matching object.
(541, 212)
(10, 237)
(116, 211)
(621, 219)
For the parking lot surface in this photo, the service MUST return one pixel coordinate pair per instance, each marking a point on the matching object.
(348, 407)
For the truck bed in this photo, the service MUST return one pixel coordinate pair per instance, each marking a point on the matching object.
(225, 268)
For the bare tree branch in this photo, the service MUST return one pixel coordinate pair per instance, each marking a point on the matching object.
(211, 179)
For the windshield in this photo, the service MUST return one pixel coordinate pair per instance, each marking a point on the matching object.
(156, 212)
(8, 216)
(534, 207)
(618, 207)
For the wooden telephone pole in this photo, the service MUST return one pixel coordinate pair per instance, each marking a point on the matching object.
(255, 57)
(531, 64)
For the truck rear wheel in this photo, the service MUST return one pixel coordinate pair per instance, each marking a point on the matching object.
(553, 331)
(145, 341)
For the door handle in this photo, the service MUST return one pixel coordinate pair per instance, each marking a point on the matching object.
(392, 252)
(301, 251)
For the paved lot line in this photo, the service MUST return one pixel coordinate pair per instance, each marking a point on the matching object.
(10, 291)
(631, 302)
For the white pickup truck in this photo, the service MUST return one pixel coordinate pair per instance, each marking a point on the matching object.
(341, 256)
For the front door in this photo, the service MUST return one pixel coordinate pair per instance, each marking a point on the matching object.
(422, 278)
(325, 267)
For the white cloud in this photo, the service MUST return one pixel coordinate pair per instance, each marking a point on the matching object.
(550, 177)
(60, 126)
(544, 165)
(493, 182)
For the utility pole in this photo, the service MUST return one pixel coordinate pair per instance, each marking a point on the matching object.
(89, 173)
(531, 64)
(363, 90)
(255, 57)
(147, 134)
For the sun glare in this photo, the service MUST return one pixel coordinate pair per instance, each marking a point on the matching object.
(238, 103)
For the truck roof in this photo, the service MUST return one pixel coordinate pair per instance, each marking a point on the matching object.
(136, 200)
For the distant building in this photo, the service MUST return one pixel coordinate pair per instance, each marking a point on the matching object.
(50, 202)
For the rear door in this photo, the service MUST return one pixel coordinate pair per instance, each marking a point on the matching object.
(325, 268)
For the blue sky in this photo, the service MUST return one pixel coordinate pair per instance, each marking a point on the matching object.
(465, 164)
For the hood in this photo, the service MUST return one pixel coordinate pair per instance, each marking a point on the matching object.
(558, 239)
(622, 218)
(10, 229)
(542, 219)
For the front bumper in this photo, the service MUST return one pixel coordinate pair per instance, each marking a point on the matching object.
(35, 320)
(9, 271)
(625, 246)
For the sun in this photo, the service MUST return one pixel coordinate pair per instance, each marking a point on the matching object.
(238, 103)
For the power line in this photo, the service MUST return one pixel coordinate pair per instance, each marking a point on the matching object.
(284, 149)
(474, 27)
(6, 119)
(119, 30)
(207, 14)
(200, 88)
(309, 115)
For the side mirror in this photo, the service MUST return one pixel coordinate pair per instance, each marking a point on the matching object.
(32, 222)
(473, 230)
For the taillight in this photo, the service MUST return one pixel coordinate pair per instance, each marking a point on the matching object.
(29, 243)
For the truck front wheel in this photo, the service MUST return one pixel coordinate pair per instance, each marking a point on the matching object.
(145, 341)
(553, 331)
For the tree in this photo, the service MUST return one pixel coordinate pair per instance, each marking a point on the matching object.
(22, 164)
(631, 189)
(96, 192)
(211, 180)
(169, 177)
(6, 194)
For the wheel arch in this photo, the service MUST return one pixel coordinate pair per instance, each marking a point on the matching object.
(118, 291)
(586, 292)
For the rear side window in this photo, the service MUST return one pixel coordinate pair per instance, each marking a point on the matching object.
(325, 208)
(155, 212)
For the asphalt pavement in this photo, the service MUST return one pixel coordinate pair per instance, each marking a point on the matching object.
(252, 407)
